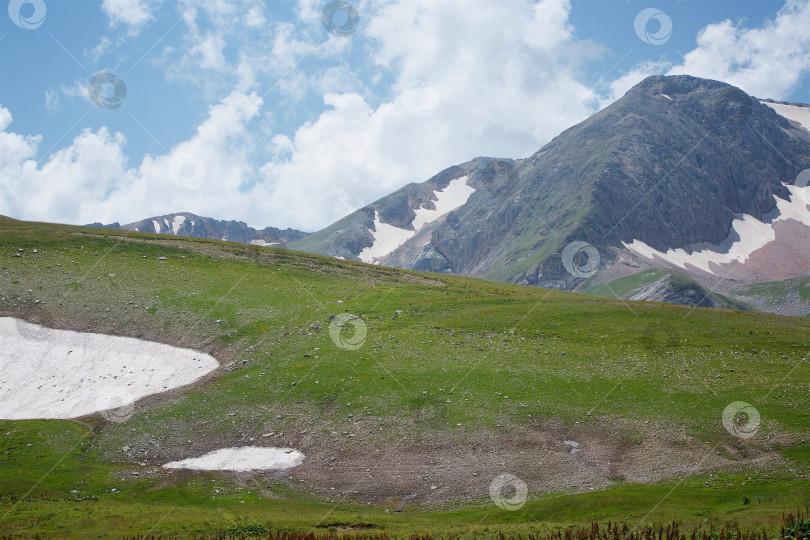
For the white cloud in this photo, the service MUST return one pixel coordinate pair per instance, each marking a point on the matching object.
(131, 13)
(505, 79)
(76, 90)
(52, 100)
(620, 86)
(766, 62)
(70, 178)
(104, 45)
(209, 48)
(14, 149)
(90, 179)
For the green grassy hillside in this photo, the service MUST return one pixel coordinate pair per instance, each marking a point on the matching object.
(456, 381)
(681, 286)
(776, 291)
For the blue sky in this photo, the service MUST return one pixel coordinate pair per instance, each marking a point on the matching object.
(253, 110)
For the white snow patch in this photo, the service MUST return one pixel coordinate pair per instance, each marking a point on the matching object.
(792, 112)
(245, 458)
(157, 226)
(47, 373)
(454, 195)
(666, 96)
(753, 235)
(260, 242)
(387, 238)
(177, 222)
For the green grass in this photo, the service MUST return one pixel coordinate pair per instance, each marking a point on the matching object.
(459, 346)
(624, 285)
(776, 291)
(679, 282)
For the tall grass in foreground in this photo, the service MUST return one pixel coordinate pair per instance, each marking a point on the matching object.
(794, 527)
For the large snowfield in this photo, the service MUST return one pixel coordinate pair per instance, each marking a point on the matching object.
(46, 373)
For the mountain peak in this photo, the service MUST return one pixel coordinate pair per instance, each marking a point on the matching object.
(672, 164)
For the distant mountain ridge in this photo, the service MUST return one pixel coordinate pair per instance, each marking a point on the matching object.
(188, 224)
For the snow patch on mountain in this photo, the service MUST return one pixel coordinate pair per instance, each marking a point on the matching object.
(752, 235)
(387, 237)
(177, 222)
(792, 112)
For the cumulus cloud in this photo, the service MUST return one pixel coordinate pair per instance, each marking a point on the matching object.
(767, 62)
(69, 178)
(471, 79)
(90, 180)
(131, 13)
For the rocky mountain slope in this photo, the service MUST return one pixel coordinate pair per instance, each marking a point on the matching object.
(679, 166)
(187, 224)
